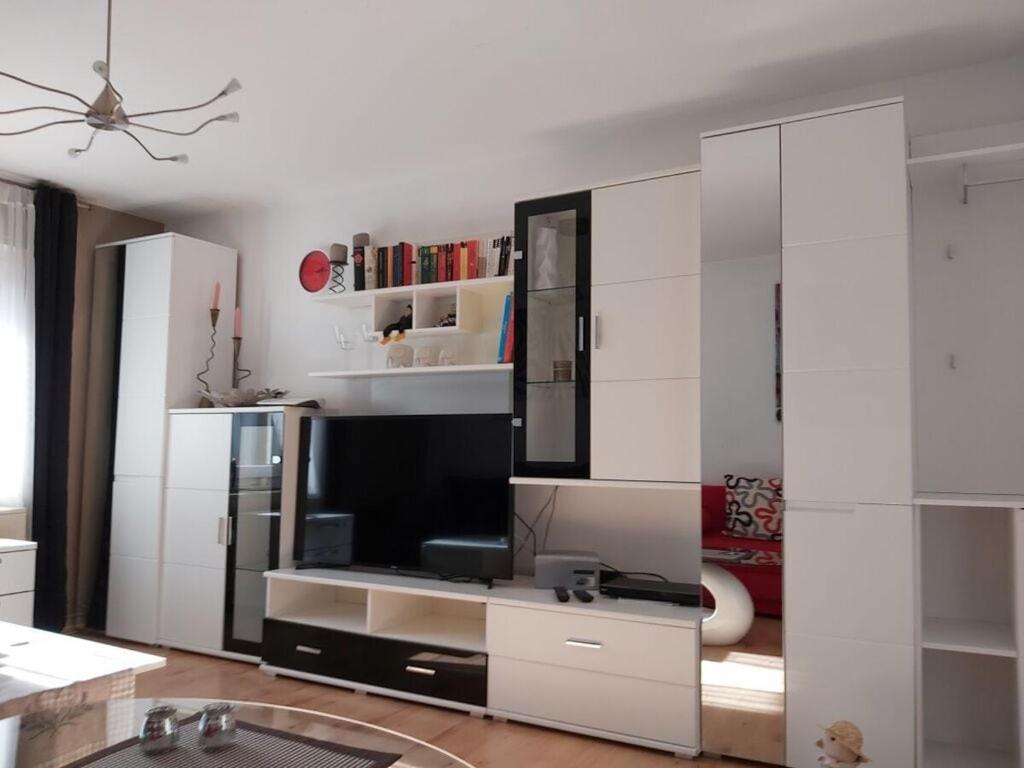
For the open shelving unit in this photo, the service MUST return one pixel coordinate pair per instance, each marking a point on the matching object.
(971, 629)
(970, 167)
(477, 304)
(443, 614)
(434, 370)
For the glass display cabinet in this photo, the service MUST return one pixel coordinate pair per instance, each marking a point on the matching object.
(254, 522)
(551, 393)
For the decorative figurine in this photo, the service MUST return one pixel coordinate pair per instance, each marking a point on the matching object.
(396, 331)
(843, 745)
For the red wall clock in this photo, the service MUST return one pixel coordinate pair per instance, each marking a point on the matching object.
(314, 271)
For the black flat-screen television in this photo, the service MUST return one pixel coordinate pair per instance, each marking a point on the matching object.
(424, 495)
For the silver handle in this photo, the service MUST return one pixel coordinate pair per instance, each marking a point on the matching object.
(231, 531)
(421, 671)
(595, 332)
(579, 333)
(308, 649)
(577, 643)
(222, 536)
(952, 362)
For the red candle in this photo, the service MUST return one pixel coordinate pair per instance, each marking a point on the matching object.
(238, 322)
(215, 301)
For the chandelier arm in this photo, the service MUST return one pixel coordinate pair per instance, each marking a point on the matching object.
(110, 14)
(31, 109)
(85, 103)
(179, 109)
(137, 140)
(75, 151)
(39, 127)
(178, 133)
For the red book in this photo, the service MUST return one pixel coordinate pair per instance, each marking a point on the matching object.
(474, 247)
(510, 335)
(406, 251)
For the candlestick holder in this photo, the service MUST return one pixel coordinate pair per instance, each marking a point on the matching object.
(214, 316)
(236, 369)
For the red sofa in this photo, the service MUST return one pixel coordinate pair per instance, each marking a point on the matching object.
(764, 582)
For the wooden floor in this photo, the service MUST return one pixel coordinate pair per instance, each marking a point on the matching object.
(743, 691)
(483, 742)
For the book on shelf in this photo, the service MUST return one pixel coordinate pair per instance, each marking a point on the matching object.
(359, 268)
(510, 334)
(473, 259)
(503, 333)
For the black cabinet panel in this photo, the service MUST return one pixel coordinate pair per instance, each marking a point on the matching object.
(440, 673)
(551, 347)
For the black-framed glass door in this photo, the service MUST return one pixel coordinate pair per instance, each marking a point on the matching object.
(254, 525)
(551, 401)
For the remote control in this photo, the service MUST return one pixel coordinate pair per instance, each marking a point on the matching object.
(562, 594)
(583, 596)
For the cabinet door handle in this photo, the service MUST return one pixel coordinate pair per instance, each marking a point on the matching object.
(308, 649)
(222, 536)
(595, 331)
(580, 326)
(577, 643)
(421, 671)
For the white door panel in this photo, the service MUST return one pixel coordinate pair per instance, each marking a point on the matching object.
(199, 451)
(646, 330)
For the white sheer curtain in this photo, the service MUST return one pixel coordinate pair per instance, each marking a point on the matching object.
(17, 344)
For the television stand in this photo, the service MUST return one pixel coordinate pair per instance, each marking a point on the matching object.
(506, 650)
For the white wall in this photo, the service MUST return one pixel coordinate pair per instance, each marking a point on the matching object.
(287, 335)
(739, 431)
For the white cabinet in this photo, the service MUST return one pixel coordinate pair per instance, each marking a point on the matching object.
(17, 581)
(846, 305)
(646, 229)
(847, 436)
(165, 338)
(844, 176)
(645, 430)
(195, 527)
(133, 597)
(135, 516)
(192, 607)
(850, 572)
(646, 330)
(196, 449)
(870, 684)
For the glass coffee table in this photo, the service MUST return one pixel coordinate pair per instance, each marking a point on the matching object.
(73, 735)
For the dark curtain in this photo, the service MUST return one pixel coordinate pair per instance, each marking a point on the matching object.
(56, 236)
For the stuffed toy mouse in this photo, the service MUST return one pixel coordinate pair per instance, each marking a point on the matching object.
(842, 744)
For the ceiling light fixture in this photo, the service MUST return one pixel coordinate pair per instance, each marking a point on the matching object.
(107, 114)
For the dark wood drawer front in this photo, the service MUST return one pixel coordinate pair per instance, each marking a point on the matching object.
(311, 649)
(441, 673)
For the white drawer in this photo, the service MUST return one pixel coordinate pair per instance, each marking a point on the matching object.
(619, 705)
(17, 572)
(627, 648)
(18, 609)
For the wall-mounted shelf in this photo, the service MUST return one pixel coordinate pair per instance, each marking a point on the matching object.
(999, 501)
(971, 167)
(585, 483)
(436, 370)
(988, 638)
(364, 298)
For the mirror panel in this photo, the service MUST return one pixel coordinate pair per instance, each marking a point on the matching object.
(742, 669)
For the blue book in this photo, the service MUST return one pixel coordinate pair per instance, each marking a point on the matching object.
(504, 327)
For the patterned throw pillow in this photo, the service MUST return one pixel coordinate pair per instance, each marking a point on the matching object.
(753, 507)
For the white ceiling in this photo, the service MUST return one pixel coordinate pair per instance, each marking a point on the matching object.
(342, 93)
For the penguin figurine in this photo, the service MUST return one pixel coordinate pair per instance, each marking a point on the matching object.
(396, 331)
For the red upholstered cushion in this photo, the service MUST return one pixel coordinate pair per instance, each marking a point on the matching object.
(719, 540)
(712, 499)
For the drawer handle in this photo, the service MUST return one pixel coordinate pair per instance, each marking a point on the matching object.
(421, 671)
(576, 643)
(308, 649)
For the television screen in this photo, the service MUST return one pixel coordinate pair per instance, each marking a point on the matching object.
(423, 494)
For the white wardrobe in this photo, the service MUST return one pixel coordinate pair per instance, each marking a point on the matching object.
(165, 340)
(847, 459)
